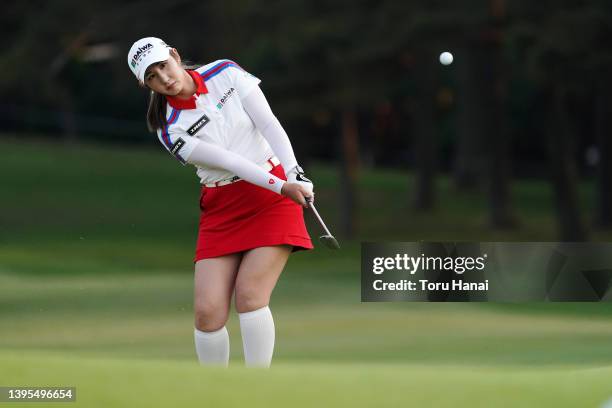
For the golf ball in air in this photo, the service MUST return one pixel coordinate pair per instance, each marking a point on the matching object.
(446, 58)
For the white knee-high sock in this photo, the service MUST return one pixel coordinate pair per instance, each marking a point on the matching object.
(212, 348)
(257, 328)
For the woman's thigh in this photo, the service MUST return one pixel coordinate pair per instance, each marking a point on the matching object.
(213, 285)
(258, 273)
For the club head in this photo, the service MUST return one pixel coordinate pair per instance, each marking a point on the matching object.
(329, 241)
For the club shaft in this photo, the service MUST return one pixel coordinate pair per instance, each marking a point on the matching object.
(316, 213)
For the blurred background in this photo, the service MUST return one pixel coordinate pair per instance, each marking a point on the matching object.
(358, 86)
(508, 143)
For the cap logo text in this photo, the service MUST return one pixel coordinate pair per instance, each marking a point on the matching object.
(139, 53)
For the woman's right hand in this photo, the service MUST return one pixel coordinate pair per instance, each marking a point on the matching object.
(297, 193)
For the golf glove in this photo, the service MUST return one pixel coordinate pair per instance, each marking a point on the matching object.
(296, 175)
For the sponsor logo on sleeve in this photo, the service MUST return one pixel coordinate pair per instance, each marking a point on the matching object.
(176, 148)
(199, 124)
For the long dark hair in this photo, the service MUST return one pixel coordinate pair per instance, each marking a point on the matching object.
(156, 112)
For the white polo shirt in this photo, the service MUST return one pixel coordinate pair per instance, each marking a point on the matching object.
(215, 115)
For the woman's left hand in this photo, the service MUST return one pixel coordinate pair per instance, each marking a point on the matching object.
(297, 193)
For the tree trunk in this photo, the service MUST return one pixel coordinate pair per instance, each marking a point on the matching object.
(494, 87)
(349, 171)
(604, 144)
(563, 169)
(500, 210)
(64, 101)
(468, 166)
(425, 136)
(498, 143)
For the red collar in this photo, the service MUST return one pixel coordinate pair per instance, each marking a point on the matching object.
(190, 103)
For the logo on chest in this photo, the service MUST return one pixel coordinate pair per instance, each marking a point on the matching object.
(228, 94)
(199, 124)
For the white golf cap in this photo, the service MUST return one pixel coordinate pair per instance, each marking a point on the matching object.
(145, 52)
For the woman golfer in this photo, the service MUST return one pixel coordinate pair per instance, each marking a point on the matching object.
(216, 118)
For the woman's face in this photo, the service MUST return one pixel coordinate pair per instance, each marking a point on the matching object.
(165, 77)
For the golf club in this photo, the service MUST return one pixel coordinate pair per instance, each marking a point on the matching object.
(328, 239)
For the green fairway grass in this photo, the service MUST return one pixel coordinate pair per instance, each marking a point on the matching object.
(96, 247)
(145, 383)
(127, 341)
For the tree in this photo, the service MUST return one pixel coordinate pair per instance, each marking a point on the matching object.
(559, 58)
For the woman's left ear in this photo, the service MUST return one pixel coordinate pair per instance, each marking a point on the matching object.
(174, 53)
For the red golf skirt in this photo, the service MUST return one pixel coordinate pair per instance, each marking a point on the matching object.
(241, 216)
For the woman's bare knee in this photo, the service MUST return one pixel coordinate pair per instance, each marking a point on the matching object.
(248, 298)
(209, 316)
(214, 283)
